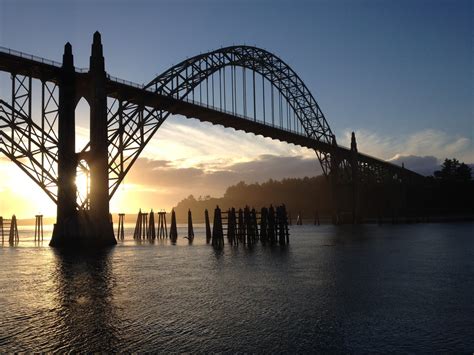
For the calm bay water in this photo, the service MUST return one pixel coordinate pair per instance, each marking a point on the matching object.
(403, 288)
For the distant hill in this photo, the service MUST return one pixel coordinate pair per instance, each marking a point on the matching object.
(305, 195)
(308, 196)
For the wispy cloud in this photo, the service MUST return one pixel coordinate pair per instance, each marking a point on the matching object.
(158, 183)
(425, 165)
(427, 142)
(189, 143)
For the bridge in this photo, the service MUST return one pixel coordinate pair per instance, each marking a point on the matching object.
(240, 87)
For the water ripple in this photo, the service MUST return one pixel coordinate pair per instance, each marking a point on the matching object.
(352, 289)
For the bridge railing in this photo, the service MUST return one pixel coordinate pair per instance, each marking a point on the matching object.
(38, 59)
(205, 105)
(126, 82)
(29, 56)
(199, 103)
(220, 109)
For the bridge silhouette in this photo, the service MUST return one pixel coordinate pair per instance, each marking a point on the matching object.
(240, 87)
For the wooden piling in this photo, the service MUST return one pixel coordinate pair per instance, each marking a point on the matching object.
(253, 218)
(144, 225)
(241, 227)
(217, 231)
(247, 228)
(2, 231)
(208, 227)
(173, 229)
(271, 225)
(38, 228)
(135, 231)
(162, 226)
(231, 226)
(229, 222)
(190, 227)
(120, 231)
(264, 225)
(285, 224)
(281, 225)
(13, 237)
(151, 232)
(139, 227)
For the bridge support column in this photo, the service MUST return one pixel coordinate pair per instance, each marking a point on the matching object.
(98, 155)
(355, 180)
(334, 181)
(85, 228)
(65, 229)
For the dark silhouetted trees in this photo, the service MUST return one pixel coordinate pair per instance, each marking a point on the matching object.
(447, 194)
(453, 170)
(307, 194)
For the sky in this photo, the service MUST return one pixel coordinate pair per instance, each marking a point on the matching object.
(398, 73)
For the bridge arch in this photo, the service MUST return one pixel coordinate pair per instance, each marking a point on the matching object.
(181, 79)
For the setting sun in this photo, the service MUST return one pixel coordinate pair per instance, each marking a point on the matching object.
(82, 182)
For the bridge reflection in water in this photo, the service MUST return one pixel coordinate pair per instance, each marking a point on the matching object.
(241, 87)
(85, 311)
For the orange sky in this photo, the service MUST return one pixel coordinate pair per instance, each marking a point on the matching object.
(171, 167)
(174, 166)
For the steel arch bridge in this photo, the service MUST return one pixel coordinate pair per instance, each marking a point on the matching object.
(181, 81)
(241, 87)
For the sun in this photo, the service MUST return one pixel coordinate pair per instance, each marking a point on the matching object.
(82, 182)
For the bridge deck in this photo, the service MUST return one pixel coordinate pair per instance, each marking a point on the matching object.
(209, 114)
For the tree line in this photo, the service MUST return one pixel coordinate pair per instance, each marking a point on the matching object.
(445, 193)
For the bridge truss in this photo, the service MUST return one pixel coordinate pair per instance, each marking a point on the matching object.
(242, 87)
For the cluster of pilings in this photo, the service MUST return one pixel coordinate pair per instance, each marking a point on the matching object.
(13, 237)
(39, 228)
(174, 228)
(248, 226)
(244, 226)
(145, 227)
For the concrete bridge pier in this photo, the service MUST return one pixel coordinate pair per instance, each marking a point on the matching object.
(66, 229)
(98, 155)
(83, 228)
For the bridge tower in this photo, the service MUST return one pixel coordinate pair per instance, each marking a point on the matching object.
(334, 183)
(93, 227)
(355, 179)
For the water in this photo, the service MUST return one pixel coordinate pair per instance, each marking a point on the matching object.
(402, 288)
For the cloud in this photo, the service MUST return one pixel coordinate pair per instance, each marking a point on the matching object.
(429, 142)
(189, 143)
(423, 165)
(159, 180)
(164, 173)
